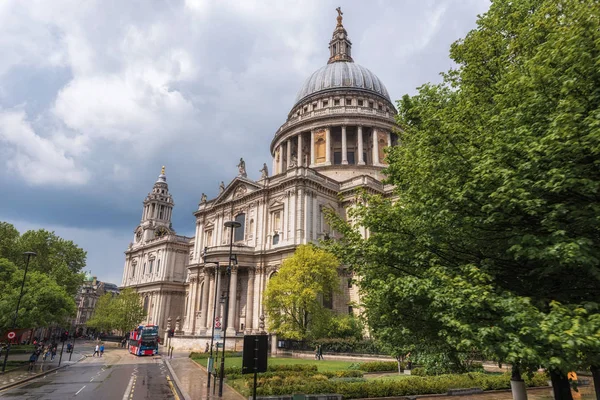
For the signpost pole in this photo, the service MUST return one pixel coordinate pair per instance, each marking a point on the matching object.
(61, 351)
(255, 367)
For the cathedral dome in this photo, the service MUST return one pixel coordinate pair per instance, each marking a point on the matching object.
(342, 75)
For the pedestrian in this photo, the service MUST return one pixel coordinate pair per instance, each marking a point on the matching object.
(53, 353)
(206, 349)
(46, 351)
(96, 351)
(101, 349)
(319, 352)
(32, 359)
(68, 347)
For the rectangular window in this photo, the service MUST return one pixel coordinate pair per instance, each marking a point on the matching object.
(348, 102)
(277, 221)
(337, 157)
(314, 106)
(360, 103)
(351, 157)
(350, 310)
(371, 104)
(208, 238)
(144, 270)
(151, 262)
(349, 283)
(238, 235)
(325, 103)
(336, 102)
(157, 265)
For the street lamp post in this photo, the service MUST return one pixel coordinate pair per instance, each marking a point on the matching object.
(232, 225)
(212, 335)
(29, 254)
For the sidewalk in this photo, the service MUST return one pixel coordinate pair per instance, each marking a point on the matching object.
(14, 377)
(191, 379)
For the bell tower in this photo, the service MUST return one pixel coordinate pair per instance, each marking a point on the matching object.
(157, 212)
(340, 46)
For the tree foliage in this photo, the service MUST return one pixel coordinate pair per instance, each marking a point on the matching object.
(293, 297)
(493, 240)
(44, 302)
(122, 313)
(60, 259)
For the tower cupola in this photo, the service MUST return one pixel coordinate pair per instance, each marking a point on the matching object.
(158, 209)
(340, 46)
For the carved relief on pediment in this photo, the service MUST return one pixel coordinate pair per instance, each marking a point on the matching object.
(240, 191)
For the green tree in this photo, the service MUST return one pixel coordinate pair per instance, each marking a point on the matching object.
(60, 259)
(497, 176)
(44, 302)
(293, 297)
(127, 310)
(104, 315)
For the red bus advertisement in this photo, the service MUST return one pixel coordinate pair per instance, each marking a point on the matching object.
(143, 341)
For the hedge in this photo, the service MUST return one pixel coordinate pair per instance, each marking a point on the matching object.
(350, 345)
(202, 356)
(378, 366)
(408, 386)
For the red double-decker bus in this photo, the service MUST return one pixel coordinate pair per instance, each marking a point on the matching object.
(143, 341)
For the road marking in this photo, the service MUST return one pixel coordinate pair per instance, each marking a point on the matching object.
(92, 379)
(172, 388)
(80, 390)
(129, 388)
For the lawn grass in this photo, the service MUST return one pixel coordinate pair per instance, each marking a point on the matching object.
(322, 365)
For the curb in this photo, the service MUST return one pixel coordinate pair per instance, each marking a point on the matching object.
(30, 378)
(185, 395)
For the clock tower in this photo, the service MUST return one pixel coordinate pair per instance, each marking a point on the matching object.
(157, 211)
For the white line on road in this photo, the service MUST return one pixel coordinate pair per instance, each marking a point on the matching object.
(80, 390)
(128, 390)
(92, 379)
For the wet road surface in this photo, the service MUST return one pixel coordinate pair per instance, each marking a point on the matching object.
(117, 375)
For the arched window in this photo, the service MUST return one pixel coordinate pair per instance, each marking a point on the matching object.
(320, 150)
(146, 300)
(157, 265)
(238, 235)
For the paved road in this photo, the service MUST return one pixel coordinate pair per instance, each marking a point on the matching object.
(117, 375)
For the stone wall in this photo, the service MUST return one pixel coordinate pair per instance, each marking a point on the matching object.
(198, 343)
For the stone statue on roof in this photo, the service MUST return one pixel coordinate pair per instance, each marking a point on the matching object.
(264, 171)
(242, 168)
(221, 187)
(203, 198)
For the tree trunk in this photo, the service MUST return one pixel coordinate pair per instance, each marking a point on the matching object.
(560, 386)
(517, 385)
(596, 374)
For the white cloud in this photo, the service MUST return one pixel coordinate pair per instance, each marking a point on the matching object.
(38, 160)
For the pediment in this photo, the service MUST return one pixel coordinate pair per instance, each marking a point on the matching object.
(237, 188)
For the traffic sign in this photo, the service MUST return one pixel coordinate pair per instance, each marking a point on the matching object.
(11, 335)
(217, 323)
(217, 334)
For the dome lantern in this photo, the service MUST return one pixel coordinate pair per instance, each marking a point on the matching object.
(340, 46)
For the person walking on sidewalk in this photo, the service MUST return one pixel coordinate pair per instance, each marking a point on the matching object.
(101, 349)
(53, 352)
(32, 359)
(96, 351)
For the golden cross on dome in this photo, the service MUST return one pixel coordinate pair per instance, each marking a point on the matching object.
(339, 17)
(162, 171)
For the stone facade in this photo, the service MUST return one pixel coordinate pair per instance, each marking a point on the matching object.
(86, 301)
(331, 145)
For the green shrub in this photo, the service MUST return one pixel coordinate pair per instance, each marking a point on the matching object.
(417, 372)
(354, 387)
(203, 356)
(293, 367)
(379, 366)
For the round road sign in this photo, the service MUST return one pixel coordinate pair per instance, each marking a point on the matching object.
(11, 335)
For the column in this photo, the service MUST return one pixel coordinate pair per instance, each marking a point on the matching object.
(257, 299)
(375, 147)
(344, 146)
(312, 148)
(300, 155)
(232, 300)
(191, 317)
(280, 166)
(288, 147)
(359, 136)
(315, 216)
(328, 147)
(250, 300)
(389, 138)
(210, 317)
(205, 291)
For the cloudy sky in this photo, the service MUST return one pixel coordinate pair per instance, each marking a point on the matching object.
(95, 96)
